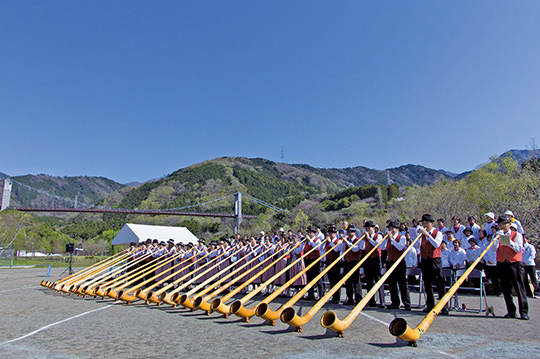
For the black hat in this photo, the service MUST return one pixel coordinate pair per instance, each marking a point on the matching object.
(170, 241)
(311, 229)
(202, 241)
(190, 244)
(394, 224)
(133, 244)
(351, 228)
(149, 241)
(332, 229)
(427, 218)
(472, 239)
(468, 229)
(503, 220)
(162, 243)
(155, 241)
(369, 224)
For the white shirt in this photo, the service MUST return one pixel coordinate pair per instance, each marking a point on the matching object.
(529, 253)
(411, 258)
(391, 240)
(445, 253)
(457, 258)
(475, 229)
(473, 253)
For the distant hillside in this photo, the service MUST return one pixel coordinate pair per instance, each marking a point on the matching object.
(86, 189)
(519, 155)
(281, 184)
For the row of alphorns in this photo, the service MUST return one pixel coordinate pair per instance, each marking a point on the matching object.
(134, 279)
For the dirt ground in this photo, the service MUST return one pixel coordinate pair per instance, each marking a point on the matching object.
(39, 323)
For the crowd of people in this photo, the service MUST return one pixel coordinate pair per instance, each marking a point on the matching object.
(436, 246)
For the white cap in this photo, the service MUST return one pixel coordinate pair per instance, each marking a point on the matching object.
(510, 213)
(513, 225)
(282, 229)
(261, 232)
(490, 215)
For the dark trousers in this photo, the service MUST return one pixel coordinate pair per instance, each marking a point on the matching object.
(334, 276)
(491, 274)
(511, 275)
(372, 270)
(432, 276)
(310, 275)
(530, 271)
(398, 278)
(353, 285)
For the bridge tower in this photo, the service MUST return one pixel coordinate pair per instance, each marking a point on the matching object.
(237, 211)
(6, 196)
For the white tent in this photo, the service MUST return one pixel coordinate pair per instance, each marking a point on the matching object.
(141, 232)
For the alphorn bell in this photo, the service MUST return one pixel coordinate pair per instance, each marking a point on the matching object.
(330, 320)
(399, 327)
(289, 316)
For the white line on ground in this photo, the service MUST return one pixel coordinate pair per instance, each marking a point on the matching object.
(53, 324)
(388, 324)
(11, 290)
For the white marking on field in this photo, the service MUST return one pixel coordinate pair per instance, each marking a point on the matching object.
(11, 290)
(53, 324)
(388, 324)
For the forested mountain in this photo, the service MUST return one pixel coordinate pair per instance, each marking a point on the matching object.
(87, 190)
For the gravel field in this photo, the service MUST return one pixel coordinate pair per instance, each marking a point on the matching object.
(40, 323)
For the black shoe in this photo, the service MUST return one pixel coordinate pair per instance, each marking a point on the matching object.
(392, 306)
(524, 316)
(512, 316)
(349, 302)
(407, 308)
(334, 301)
(427, 310)
(372, 305)
(444, 311)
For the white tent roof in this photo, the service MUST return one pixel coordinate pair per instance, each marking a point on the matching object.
(141, 232)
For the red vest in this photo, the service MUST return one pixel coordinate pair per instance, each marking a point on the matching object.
(427, 250)
(393, 253)
(314, 254)
(369, 247)
(353, 256)
(507, 253)
(331, 255)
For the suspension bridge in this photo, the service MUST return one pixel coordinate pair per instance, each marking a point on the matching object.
(58, 204)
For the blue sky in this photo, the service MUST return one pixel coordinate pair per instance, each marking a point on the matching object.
(133, 90)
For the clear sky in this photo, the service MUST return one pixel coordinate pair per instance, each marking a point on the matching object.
(133, 90)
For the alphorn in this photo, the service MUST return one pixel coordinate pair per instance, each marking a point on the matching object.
(74, 286)
(201, 302)
(289, 316)
(219, 304)
(329, 320)
(91, 287)
(87, 269)
(124, 294)
(156, 297)
(147, 293)
(189, 303)
(237, 307)
(399, 327)
(115, 295)
(66, 282)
